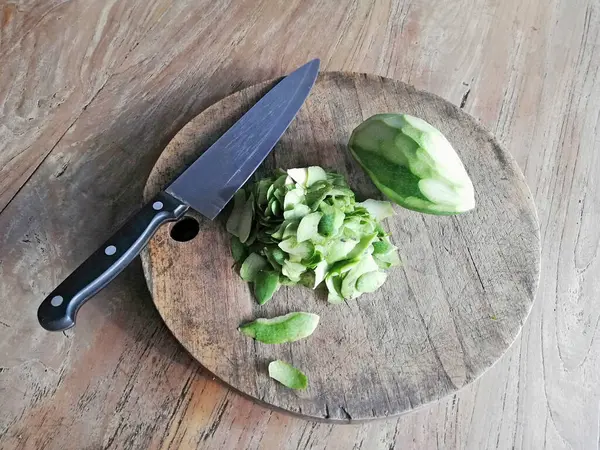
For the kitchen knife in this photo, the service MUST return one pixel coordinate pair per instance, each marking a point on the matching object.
(206, 186)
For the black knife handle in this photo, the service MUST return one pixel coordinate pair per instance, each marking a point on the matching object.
(57, 312)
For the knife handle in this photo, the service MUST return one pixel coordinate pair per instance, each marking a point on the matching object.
(57, 312)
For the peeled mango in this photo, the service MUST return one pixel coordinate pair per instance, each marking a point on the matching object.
(279, 330)
(413, 164)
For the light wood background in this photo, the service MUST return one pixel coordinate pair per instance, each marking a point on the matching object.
(90, 93)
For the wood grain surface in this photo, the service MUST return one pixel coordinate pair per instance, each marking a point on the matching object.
(466, 284)
(92, 92)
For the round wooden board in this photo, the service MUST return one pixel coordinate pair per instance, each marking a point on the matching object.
(465, 288)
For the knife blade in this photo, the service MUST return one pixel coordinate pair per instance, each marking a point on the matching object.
(206, 186)
(210, 182)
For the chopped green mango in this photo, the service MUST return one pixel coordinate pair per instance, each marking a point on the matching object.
(349, 289)
(238, 250)
(261, 191)
(320, 273)
(275, 256)
(312, 261)
(336, 179)
(315, 174)
(287, 375)
(239, 200)
(317, 193)
(278, 255)
(298, 212)
(362, 246)
(308, 227)
(308, 175)
(383, 246)
(301, 249)
(331, 222)
(293, 198)
(339, 249)
(413, 164)
(370, 281)
(290, 230)
(341, 267)
(274, 264)
(285, 281)
(378, 209)
(387, 260)
(293, 270)
(275, 207)
(304, 227)
(299, 175)
(245, 223)
(278, 330)
(266, 283)
(253, 264)
(334, 286)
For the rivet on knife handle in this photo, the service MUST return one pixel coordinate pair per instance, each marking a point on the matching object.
(58, 311)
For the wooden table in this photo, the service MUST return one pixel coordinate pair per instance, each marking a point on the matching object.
(91, 92)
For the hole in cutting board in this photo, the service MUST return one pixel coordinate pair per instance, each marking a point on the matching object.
(185, 230)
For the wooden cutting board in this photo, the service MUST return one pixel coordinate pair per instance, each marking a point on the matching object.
(466, 285)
